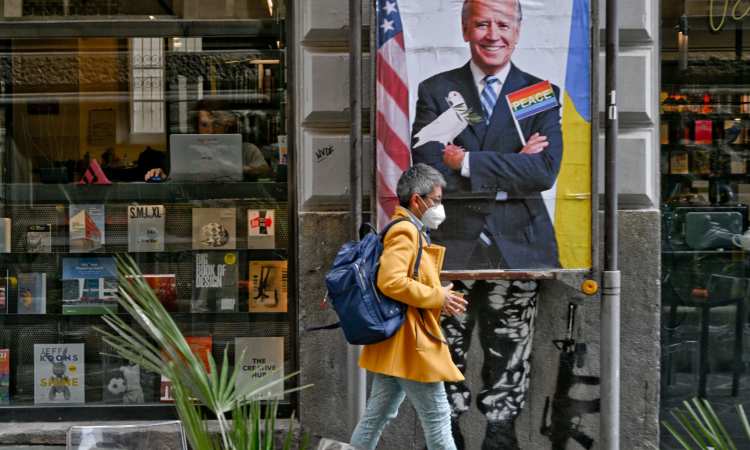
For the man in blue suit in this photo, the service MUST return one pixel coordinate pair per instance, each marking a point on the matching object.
(494, 181)
(496, 218)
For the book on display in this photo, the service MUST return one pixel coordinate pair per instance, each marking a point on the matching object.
(89, 285)
(261, 361)
(39, 238)
(214, 228)
(268, 286)
(201, 347)
(261, 229)
(215, 282)
(86, 223)
(59, 373)
(32, 293)
(146, 228)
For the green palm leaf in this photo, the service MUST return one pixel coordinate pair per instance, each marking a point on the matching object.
(743, 419)
(701, 425)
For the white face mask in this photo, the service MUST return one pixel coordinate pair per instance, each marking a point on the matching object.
(434, 216)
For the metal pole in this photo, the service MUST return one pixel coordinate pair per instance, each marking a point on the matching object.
(356, 378)
(374, 199)
(609, 426)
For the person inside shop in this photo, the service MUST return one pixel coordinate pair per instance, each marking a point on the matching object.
(212, 119)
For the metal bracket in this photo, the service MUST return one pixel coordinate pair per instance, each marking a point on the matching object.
(574, 279)
(569, 281)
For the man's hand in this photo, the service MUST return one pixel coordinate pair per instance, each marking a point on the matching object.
(453, 156)
(453, 304)
(535, 144)
(155, 173)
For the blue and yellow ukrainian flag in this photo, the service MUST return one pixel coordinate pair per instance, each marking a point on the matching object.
(573, 206)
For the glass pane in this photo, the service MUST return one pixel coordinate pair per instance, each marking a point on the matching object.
(705, 184)
(186, 9)
(170, 149)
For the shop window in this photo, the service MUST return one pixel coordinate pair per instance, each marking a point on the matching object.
(171, 149)
(705, 192)
(188, 9)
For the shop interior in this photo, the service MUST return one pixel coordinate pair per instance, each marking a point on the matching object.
(705, 193)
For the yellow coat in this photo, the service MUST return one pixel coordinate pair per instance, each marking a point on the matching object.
(412, 353)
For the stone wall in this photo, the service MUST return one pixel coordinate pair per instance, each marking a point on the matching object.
(322, 92)
(323, 354)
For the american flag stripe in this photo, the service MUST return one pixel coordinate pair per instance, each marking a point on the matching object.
(394, 51)
(392, 113)
(388, 179)
(387, 170)
(393, 145)
(394, 54)
(392, 118)
(387, 200)
(387, 167)
(392, 84)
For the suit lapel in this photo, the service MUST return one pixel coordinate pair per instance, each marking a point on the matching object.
(467, 88)
(501, 116)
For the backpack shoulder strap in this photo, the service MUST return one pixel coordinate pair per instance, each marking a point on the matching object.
(393, 222)
(415, 272)
(332, 326)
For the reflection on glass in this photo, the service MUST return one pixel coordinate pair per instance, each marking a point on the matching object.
(117, 100)
(187, 9)
(147, 72)
(111, 145)
(705, 205)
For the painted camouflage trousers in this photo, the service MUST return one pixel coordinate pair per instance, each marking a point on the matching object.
(505, 312)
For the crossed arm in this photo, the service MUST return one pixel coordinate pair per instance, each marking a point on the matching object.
(532, 168)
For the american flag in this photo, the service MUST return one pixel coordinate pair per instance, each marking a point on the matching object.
(392, 128)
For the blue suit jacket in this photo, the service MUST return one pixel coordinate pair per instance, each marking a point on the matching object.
(520, 226)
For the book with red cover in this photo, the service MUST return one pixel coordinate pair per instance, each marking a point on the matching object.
(86, 223)
(703, 131)
(165, 288)
(201, 347)
(261, 225)
(4, 376)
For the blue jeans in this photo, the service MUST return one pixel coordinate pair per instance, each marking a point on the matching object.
(387, 393)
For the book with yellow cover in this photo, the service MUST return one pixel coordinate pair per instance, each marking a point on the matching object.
(268, 286)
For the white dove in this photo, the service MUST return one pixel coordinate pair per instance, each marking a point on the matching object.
(449, 124)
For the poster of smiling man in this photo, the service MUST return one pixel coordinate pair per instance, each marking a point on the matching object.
(496, 95)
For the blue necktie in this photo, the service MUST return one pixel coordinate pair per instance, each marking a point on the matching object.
(489, 97)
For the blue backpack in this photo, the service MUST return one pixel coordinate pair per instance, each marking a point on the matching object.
(365, 315)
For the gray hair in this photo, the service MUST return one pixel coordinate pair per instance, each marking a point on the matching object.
(465, 11)
(418, 179)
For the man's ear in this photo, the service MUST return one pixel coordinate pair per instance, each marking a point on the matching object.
(414, 202)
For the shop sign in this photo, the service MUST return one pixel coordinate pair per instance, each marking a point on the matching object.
(719, 9)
